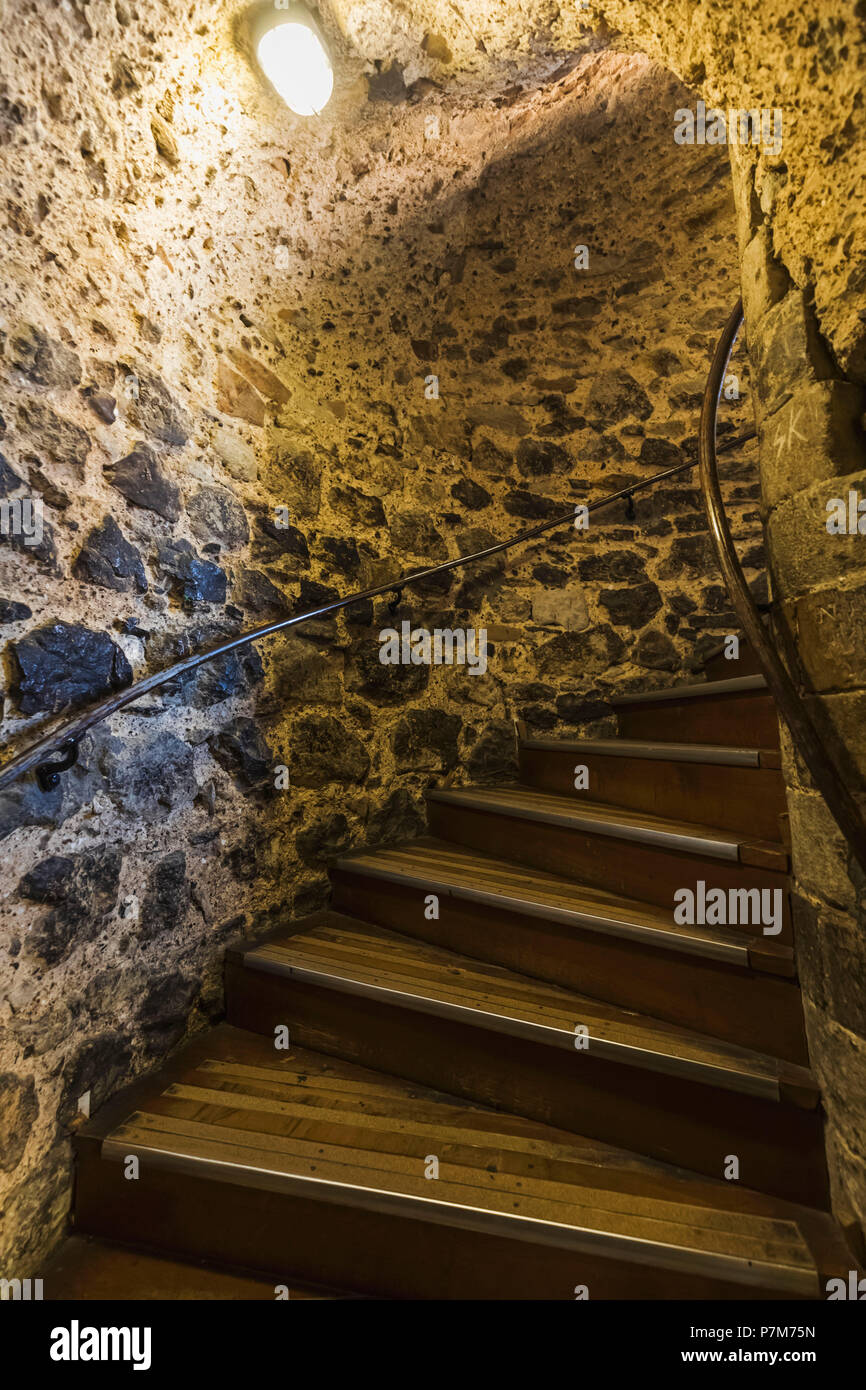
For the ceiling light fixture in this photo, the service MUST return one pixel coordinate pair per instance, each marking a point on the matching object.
(292, 55)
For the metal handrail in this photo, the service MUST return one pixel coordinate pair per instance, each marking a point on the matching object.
(792, 708)
(65, 736)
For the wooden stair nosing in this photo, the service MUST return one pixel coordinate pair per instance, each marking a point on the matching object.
(653, 750)
(737, 685)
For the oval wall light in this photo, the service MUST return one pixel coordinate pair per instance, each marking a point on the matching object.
(292, 55)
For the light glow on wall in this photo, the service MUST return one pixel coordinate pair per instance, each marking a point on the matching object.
(295, 62)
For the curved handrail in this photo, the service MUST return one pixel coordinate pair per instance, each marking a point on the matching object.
(66, 734)
(840, 802)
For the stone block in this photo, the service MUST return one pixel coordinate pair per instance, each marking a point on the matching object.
(560, 608)
(803, 554)
(819, 851)
(815, 435)
(789, 350)
(831, 624)
(764, 280)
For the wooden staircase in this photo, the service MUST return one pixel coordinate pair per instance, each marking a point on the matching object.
(511, 1074)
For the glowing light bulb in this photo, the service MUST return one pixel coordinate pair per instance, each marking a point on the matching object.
(294, 60)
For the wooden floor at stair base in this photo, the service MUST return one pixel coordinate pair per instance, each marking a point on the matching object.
(742, 1005)
(306, 1166)
(633, 869)
(780, 1146)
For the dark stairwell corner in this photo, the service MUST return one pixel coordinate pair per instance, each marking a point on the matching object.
(497, 930)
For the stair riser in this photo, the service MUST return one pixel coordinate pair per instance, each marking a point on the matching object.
(380, 1255)
(746, 720)
(691, 1124)
(721, 668)
(738, 1005)
(637, 870)
(744, 799)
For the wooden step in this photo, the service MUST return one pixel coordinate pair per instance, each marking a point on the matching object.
(736, 788)
(615, 948)
(86, 1269)
(371, 996)
(739, 712)
(306, 1167)
(627, 852)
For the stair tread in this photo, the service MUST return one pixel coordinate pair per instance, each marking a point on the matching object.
(451, 868)
(657, 750)
(604, 819)
(694, 690)
(236, 1111)
(344, 952)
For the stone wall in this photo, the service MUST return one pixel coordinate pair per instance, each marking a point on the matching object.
(213, 312)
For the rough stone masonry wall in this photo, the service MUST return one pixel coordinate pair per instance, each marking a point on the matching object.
(803, 249)
(211, 310)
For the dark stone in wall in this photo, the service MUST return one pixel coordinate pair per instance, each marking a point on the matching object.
(342, 555)
(427, 738)
(192, 579)
(538, 458)
(140, 478)
(100, 1066)
(108, 560)
(255, 593)
(157, 414)
(215, 514)
(233, 674)
(146, 780)
(323, 841)
(324, 750)
(12, 612)
(241, 749)
(24, 803)
(386, 685)
(273, 544)
(615, 396)
(400, 818)
(632, 607)
(660, 453)
(82, 890)
(64, 665)
(582, 709)
(358, 508)
(690, 555)
(520, 502)
(489, 457)
(18, 1111)
(53, 437)
(167, 899)
(612, 567)
(413, 533)
(588, 653)
(165, 1009)
(43, 360)
(471, 494)
(9, 480)
(550, 576)
(494, 757)
(656, 651)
